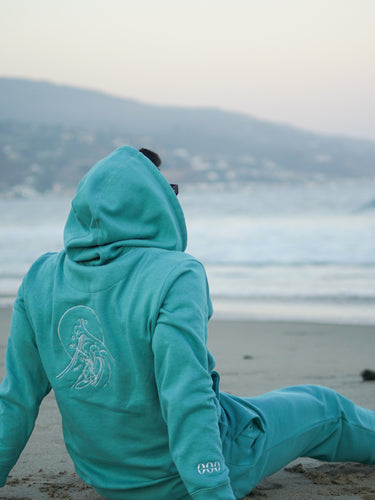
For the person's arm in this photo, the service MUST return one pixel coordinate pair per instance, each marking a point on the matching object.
(185, 386)
(21, 391)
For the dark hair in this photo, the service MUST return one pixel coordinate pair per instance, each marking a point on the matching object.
(155, 158)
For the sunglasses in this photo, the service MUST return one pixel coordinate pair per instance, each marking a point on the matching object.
(154, 157)
(175, 188)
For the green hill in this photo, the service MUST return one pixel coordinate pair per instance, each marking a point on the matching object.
(50, 135)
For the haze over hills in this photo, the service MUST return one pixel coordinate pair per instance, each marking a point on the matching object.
(50, 135)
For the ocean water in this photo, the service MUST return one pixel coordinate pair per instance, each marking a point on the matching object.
(271, 252)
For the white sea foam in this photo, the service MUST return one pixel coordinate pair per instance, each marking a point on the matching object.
(270, 251)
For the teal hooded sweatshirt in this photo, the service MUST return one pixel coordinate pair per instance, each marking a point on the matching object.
(116, 325)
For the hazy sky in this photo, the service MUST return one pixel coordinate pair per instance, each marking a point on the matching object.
(309, 63)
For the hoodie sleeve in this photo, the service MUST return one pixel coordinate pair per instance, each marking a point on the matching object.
(21, 391)
(185, 386)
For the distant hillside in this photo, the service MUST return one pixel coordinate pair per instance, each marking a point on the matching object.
(50, 135)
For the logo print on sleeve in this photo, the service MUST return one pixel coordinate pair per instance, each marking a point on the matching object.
(81, 335)
(209, 467)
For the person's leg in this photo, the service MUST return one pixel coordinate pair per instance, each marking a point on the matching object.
(309, 421)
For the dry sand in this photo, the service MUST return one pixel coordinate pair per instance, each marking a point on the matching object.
(252, 357)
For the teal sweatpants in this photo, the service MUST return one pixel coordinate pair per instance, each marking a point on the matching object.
(300, 421)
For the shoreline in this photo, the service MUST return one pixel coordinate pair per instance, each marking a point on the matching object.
(321, 312)
(231, 314)
(252, 357)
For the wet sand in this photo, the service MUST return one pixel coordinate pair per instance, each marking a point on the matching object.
(252, 357)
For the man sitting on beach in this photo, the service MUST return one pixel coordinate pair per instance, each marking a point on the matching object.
(116, 325)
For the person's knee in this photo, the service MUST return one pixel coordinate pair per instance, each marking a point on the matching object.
(316, 399)
(319, 390)
(330, 399)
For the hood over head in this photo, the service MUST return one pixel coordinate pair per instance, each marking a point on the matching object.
(122, 202)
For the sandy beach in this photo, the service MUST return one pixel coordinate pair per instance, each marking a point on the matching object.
(252, 357)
